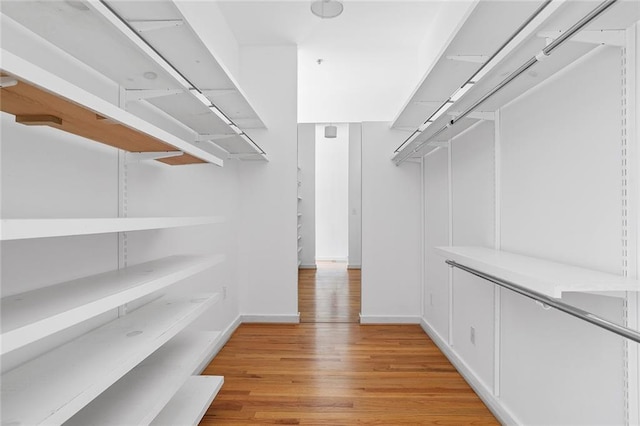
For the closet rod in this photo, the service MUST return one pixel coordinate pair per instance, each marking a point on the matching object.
(542, 55)
(554, 303)
(169, 64)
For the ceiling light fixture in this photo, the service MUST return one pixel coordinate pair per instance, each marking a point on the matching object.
(326, 9)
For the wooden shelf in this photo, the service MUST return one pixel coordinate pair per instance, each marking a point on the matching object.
(20, 229)
(543, 276)
(138, 397)
(28, 317)
(191, 402)
(40, 93)
(53, 387)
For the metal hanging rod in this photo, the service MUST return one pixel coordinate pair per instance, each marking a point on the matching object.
(496, 53)
(168, 64)
(542, 55)
(554, 303)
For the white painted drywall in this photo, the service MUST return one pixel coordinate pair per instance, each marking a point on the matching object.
(268, 203)
(391, 244)
(355, 195)
(472, 209)
(332, 194)
(561, 186)
(306, 189)
(436, 233)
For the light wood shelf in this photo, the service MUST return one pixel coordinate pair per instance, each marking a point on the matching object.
(53, 387)
(138, 397)
(20, 229)
(191, 402)
(549, 278)
(39, 93)
(28, 317)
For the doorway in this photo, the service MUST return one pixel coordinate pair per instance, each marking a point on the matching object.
(329, 279)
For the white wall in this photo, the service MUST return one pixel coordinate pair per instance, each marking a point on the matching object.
(355, 195)
(558, 157)
(307, 190)
(561, 200)
(268, 190)
(332, 194)
(391, 244)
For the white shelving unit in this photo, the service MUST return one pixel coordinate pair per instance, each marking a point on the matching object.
(138, 397)
(299, 229)
(542, 276)
(190, 403)
(53, 387)
(440, 97)
(20, 229)
(28, 317)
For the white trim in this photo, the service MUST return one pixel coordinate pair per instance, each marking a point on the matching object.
(503, 415)
(331, 259)
(271, 318)
(390, 319)
(222, 340)
(308, 267)
(350, 266)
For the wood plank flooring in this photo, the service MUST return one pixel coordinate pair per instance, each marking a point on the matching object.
(339, 374)
(329, 294)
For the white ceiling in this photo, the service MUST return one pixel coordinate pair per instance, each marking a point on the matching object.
(371, 53)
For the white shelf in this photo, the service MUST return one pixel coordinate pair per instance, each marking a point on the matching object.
(53, 387)
(138, 397)
(28, 317)
(549, 278)
(20, 229)
(191, 402)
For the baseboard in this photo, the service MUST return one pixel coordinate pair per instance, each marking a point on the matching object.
(222, 340)
(354, 266)
(269, 318)
(491, 401)
(308, 267)
(389, 319)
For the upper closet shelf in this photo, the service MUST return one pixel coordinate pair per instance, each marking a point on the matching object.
(37, 97)
(21, 229)
(548, 278)
(483, 68)
(53, 387)
(153, 52)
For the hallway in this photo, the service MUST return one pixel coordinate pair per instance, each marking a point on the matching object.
(330, 293)
(333, 371)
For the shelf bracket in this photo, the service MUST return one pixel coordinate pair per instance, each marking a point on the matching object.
(478, 115)
(8, 81)
(133, 95)
(606, 37)
(145, 25)
(212, 137)
(137, 157)
(477, 59)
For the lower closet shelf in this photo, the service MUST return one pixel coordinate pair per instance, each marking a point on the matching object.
(191, 402)
(138, 397)
(53, 387)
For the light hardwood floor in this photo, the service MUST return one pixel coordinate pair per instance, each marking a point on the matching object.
(329, 294)
(339, 374)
